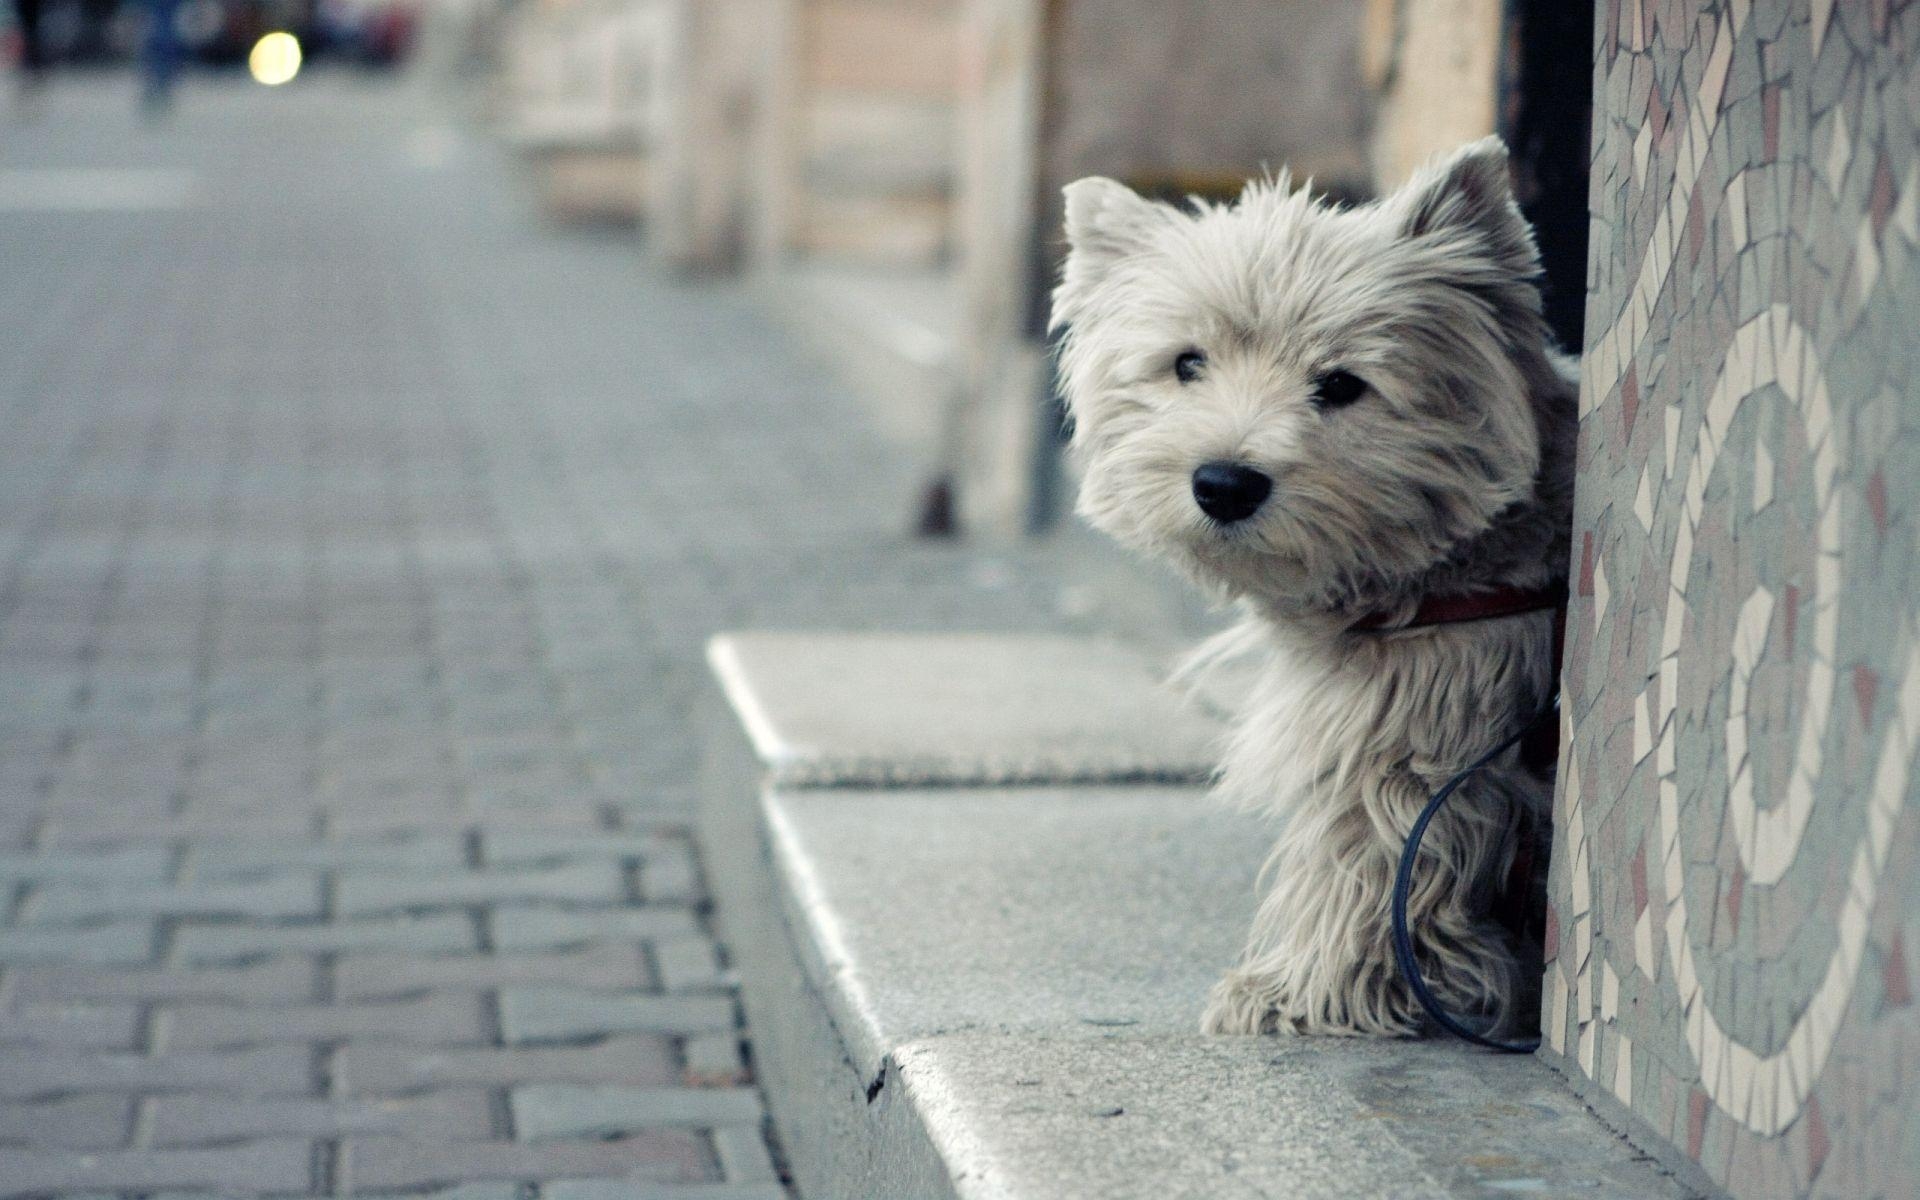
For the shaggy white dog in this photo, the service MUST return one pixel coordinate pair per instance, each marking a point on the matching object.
(1351, 422)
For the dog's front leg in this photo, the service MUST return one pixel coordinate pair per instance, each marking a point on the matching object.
(1319, 959)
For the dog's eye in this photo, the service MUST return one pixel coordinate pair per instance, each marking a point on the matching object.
(1337, 389)
(1187, 367)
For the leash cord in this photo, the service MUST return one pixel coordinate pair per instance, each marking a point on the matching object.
(1403, 889)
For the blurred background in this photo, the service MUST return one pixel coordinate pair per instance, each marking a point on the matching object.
(886, 171)
(95, 34)
(890, 168)
(393, 396)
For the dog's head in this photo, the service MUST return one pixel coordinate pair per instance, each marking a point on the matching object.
(1301, 403)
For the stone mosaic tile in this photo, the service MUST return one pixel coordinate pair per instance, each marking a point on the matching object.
(1733, 884)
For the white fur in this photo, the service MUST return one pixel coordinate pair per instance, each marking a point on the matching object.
(1451, 474)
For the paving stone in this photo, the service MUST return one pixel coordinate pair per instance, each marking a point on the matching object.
(377, 1162)
(278, 897)
(215, 858)
(441, 933)
(116, 826)
(459, 1191)
(553, 1014)
(361, 894)
(438, 1018)
(544, 1111)
(743, 1154)
(517, 927)
(73, 1026)
(606, 1189)
(364, 976)
(671, 876)
(71, 1123)
(378, 813)
(279, 979)
(690, 964)
(134, 862)
(201, 1119)
(262, 1071)
(508, 847)
(714, 1060)
(280, 1165)
(639, 1059)
(18, 827)
(402, 821)
(114, 942)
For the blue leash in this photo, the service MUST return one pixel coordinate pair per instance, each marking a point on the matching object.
(1403, 888)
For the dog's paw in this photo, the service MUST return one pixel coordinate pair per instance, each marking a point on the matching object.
(1241, 1005)
(1248, 1004)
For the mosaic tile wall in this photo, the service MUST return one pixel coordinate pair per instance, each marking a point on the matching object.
(1736, 905)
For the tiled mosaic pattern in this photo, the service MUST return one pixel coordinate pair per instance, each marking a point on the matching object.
(1735, 897)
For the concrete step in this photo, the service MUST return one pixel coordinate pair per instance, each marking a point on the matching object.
(991, 987)
(905, 709)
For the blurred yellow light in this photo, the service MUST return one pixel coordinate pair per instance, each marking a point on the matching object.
(275, 59)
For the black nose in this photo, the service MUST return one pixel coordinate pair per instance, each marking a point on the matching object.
(1229, 492)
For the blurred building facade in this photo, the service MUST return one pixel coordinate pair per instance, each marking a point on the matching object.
(890, 170)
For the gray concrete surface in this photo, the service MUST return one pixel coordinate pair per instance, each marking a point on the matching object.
(960, 708)
(359, 532)
(1131, 1115)
(1069, 911)
(994, 992)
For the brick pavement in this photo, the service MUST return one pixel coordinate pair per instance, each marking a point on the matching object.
(357, 535)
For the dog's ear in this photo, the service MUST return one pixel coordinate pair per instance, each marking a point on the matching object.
(1469, 192)
(1106, 222)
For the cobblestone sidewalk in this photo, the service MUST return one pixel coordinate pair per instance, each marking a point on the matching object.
(357, 533)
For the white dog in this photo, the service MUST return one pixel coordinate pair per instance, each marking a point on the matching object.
(1351, 422)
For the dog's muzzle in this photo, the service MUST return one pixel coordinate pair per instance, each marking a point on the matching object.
(1230, 492)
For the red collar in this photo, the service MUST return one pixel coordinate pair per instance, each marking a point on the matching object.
(1477, 606)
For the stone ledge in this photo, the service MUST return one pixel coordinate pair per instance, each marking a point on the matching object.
(1155, 1117)
(896, 710)
(994, 992)
(1067, 912)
